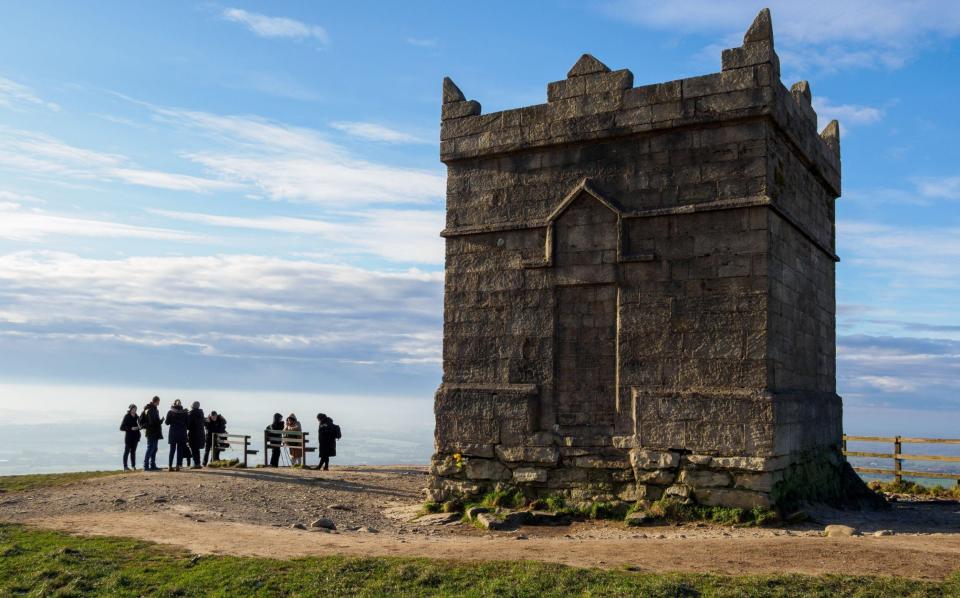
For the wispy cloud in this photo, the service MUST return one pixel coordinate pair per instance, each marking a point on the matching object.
(947, 187)
(408, 236)
(375, 132)
(818, 34)
(926, 190)
(297, 163)
(275, 27)
(421, 42)
(21, 224)
(849, 115)
(297, 309)
(907, 371)
(38, 154)
(17, 96)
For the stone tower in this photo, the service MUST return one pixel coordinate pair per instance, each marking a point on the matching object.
(639, 293)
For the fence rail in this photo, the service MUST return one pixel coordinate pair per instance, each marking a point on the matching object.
(899, 457)
(228, 441)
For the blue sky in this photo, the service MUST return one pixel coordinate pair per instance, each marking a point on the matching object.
(248, 196)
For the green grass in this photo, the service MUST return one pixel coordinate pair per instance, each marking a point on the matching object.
(667, 509)
(906, 487)
(20, 483)
(42, 563)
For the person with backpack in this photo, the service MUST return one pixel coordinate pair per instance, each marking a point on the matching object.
(215, 424)
(196, 433)
(130, 426)
(275, 439)
(152, 425)
(327, 437)
(178, 421)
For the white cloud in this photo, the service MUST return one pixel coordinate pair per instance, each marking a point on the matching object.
(939, 187)
(847, 114)
(821, 34)
(375, 132)
(275, 27)
(38, 154)
(905, 257)
(408, 236)
(297, 163)
(16, 96)
(19, 224)
(226, 305)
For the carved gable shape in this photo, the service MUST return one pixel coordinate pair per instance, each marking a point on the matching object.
(584, 188)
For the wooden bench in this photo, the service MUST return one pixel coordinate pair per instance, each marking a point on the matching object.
(229, 441)
(279, 439)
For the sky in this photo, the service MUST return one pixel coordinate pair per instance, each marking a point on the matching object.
(243, 200)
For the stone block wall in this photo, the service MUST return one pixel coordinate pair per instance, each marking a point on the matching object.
(639, 295)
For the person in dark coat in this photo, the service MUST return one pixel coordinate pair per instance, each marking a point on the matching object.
(196, 433)
(130, 426)
(216, 424)
(275, 439)
(152, 425)
(178, 421)
(327, 437)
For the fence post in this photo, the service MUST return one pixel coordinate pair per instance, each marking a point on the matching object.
(246, 444)
(897, 466)
(266, 441)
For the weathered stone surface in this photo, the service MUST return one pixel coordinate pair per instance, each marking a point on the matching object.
(524, 475)
(486, 469)
(743, 499)
(759, 482)
(546, 455)
(324, 523)
(704, 478)
(647, 459)
(639, 281)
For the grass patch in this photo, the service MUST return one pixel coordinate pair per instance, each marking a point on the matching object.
(42, 563)
(21, 483)
(668, 509)
(225, 464)
(915, 489)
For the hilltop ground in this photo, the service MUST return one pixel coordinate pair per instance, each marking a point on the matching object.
(251, 513)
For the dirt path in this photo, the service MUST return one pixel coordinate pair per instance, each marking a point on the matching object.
(250, 513)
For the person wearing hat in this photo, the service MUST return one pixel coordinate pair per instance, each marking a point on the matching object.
(196, 433)
(130, 426)
(215, 424)
(177, 437)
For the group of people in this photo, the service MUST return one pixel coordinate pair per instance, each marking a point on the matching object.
(327, 436)
(191, 431)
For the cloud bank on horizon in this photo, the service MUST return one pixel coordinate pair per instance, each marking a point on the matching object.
(254, 198)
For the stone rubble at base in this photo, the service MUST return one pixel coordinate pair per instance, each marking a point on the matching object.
(640, 295)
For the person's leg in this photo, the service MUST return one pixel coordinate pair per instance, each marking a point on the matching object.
(126, 455)
(173, 454)
(274, 457)
(196, 457)
(153, 454)
(133, 456)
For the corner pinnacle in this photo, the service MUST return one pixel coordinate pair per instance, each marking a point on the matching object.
(831, 136)
(451, 93)
(761, 29)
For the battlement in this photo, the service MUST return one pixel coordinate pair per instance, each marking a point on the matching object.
(595, 103)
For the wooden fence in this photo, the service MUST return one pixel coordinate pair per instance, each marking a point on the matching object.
(899, 457)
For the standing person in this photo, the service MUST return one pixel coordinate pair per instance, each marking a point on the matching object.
(130, 426)
(327, 437)
(178, 422)
(196, 433)
(296, 442)
(275, 439)
(152, 425)
(215, 424)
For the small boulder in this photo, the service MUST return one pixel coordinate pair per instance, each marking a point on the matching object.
(491, 522)
(324, 523)
(840, 531)
(472, 512)
(883, 532)
(638, 518)
(298, 526)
